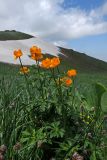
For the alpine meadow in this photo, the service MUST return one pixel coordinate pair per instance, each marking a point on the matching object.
(52, 106)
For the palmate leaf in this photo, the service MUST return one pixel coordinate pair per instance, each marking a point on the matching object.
(56, 131)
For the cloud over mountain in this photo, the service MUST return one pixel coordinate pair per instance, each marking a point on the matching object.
(47, 18)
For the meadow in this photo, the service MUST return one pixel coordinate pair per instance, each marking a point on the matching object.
(47, 112)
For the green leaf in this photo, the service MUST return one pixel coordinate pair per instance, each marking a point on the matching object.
(93, 156)
(104, 102)
(100, 89)
(56, 131)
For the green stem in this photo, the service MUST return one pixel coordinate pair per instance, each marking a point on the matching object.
(26, 80)
(41, 84)
(63, 107)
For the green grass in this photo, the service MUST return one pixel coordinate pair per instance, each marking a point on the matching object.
(40, 120)
(84, 81)
(85, 78)
(29, 120)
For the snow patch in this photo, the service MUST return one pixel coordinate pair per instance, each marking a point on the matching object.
(7, 48)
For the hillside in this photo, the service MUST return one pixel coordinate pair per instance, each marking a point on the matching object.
(13, 35)
(70, 58)
(82, 62)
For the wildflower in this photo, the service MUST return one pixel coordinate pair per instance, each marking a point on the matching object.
(54, 62)
(85, 152)
(35, 49)
(39, 144)
(1, 157)
(102, 145)
(3, 149)
(86, 122)
(77, 156)
(104, 132)
(17, 146)
(77, 123)
(68, 82)
(72, 73)
(24, 70)
(93, 109)
(105, 117)
(89, 135)
(36, 53)
(46, 63)
(65, 80)
(17, 54)
(50, 62)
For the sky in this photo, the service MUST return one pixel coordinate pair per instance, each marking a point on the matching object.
(77, 24)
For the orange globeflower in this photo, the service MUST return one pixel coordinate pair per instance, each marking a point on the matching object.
(68, 82)
(35, 49)
(24, 70)
(46, 63)
(36, 53)
(36, 56)
(72, 73)
(54, 62)
(17, 53)
(50, 62)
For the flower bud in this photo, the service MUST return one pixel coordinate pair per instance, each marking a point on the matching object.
(3, 149)
(77, 156)
(89, 135)
(17, 146)
(39, 143)
(1, 157)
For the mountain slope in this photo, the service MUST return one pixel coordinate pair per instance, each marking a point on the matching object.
(12, 40)
(13, 35)
(82, 62)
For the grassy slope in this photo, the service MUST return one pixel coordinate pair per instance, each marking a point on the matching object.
(72, 59)
(82, 62)
(13, 35)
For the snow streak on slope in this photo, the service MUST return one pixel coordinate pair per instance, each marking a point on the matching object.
(7, 48)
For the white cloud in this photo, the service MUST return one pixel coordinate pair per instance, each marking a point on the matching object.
(46, 18)
(100, 12)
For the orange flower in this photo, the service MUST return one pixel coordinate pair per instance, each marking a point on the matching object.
(24, 70)
(36, 53)
(64, 80)
(68, 82)
(54, 62)
(50, 62)
(72, 73)
(17, 54)
(35, 49)
(46, 63)
(36, 56)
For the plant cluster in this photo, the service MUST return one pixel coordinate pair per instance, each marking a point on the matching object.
(45, 117)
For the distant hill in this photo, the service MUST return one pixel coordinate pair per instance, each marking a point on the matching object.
(69, 57)
(82, 62)
(13, 35)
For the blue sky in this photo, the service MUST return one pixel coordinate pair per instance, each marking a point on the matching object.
(94, 45)
(76, 24)
(83, 4)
